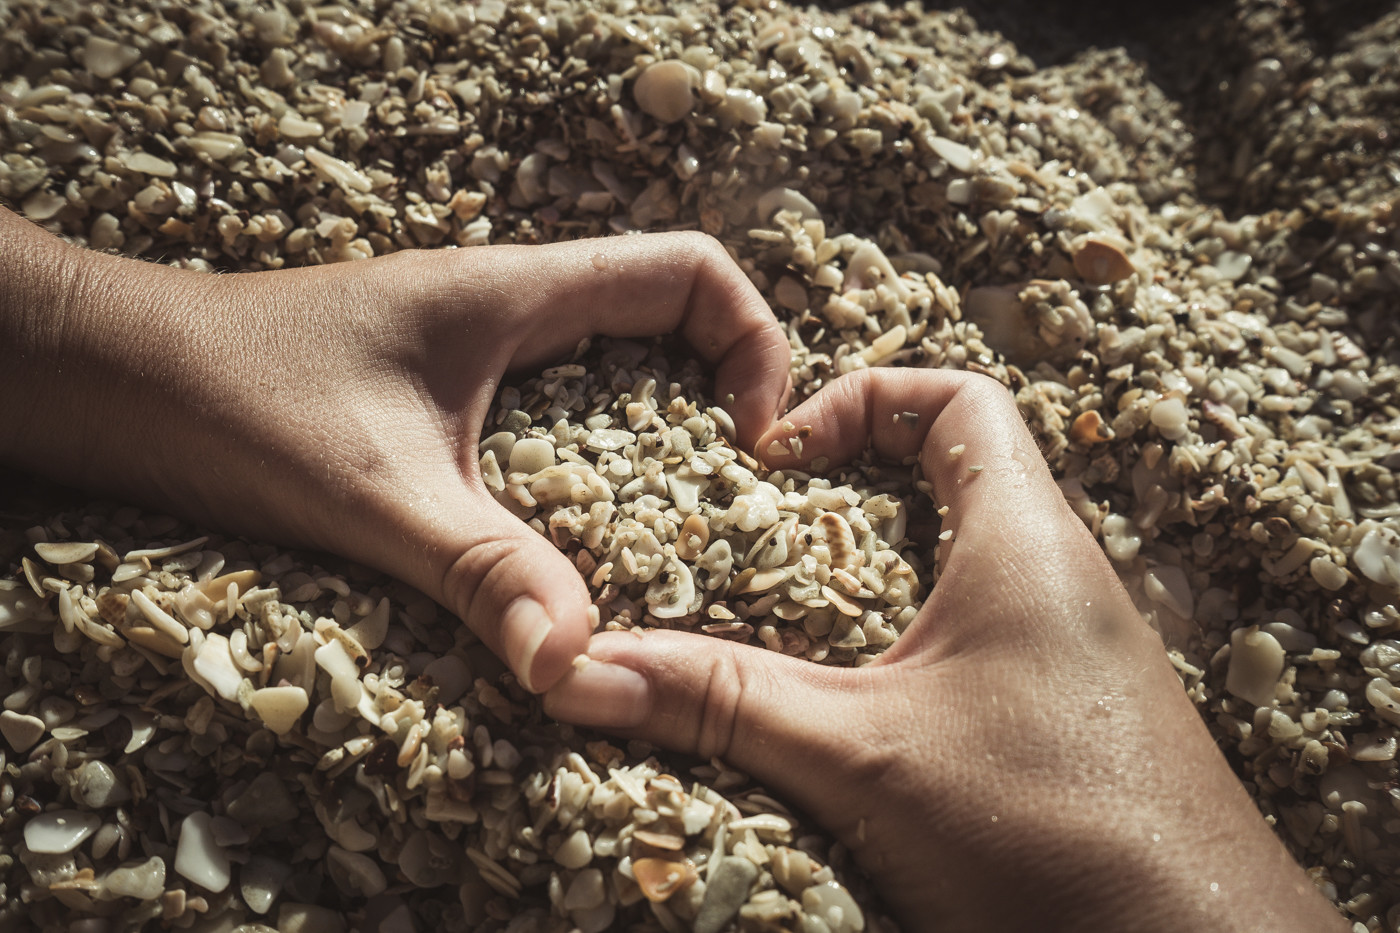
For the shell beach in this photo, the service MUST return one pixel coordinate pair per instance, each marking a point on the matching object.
(1183, 263)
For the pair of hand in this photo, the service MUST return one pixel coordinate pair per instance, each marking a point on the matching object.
(1023, 756)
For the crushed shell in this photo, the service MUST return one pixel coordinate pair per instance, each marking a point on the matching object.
(1190, 299)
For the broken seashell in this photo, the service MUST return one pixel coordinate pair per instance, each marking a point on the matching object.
(279, 707)
(66, 552)
(660, 878)
(664, 90)
(1099, 262)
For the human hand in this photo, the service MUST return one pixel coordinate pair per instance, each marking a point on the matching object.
(1024, 756)
(340, 406)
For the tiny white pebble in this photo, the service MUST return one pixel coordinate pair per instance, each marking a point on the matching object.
(943, 512)
(956, 451)
(975, 469)
(946, 535)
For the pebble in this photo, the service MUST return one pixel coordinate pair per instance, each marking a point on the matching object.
(144, 881)
(1327, 574)
(1171, 418)
(21, 731)
(98, 785)
(575, 851)
(835, 906)
(725, 892)
(587, 890)
(663, 91)
(356, 875)
(280, 707)
(308, 918)
(1377, 555)
(1099, 262)
(59, 831)
(1168, 585)
(65, 552)
(531, 455)
(1256, 663)
(198, 857)
(106, 58)
(260, 881)
(265, 802)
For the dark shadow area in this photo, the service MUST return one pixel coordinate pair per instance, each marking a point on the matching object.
(1274, 97)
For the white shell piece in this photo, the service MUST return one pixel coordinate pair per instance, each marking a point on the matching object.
(198, 856)
(59, 831)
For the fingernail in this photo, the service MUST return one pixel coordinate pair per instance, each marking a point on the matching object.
(524, 628)
(601, 695)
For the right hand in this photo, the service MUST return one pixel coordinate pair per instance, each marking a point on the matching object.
(1024, 756)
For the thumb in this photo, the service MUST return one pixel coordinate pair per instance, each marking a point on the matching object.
(776, 717)
(520, 595)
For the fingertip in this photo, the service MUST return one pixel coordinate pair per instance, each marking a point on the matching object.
(540, 646)
(600, 695)
(554, 660)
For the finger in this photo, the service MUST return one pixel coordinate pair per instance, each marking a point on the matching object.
(780, 719)
(520, 595)
(655, 284)
(1014, 549)
(964, 429)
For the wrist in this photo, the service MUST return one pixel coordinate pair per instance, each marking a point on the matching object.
(84, 339)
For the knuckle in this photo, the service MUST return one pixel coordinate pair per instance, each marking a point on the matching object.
(469, 580)
(854, 391)
(725, 694)
(983, 389)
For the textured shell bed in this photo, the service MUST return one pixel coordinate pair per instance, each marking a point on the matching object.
(1189, 287)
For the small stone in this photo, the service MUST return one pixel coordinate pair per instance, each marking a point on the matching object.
(147, 164)
(660, 878)
(66, 552)
(214, 662)
(98, 785)
(59, 831)
(1171, 418)
(266, 802)
(725, 893)
(575, 851)
(280, 707)
(1099, 262)
(260, 881)
(1327, 574)
(1169, 586)
(356, 875)
(834, 905)
(587, 890)
(1089, 429)
(107, 59)
(308, 918)
(1256, 663)
(21, 731)
(531, 455)
(143, 881)
(663, 91)
(198, 857)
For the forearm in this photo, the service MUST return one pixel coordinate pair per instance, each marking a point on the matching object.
(89, 345)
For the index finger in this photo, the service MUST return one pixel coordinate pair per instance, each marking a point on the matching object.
(633, 286)
(964, 429)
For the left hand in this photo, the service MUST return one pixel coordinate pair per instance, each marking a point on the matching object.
(340, 406)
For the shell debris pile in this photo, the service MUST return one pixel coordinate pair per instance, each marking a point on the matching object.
(675, 527)
(184, 746)
(1187, 279)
